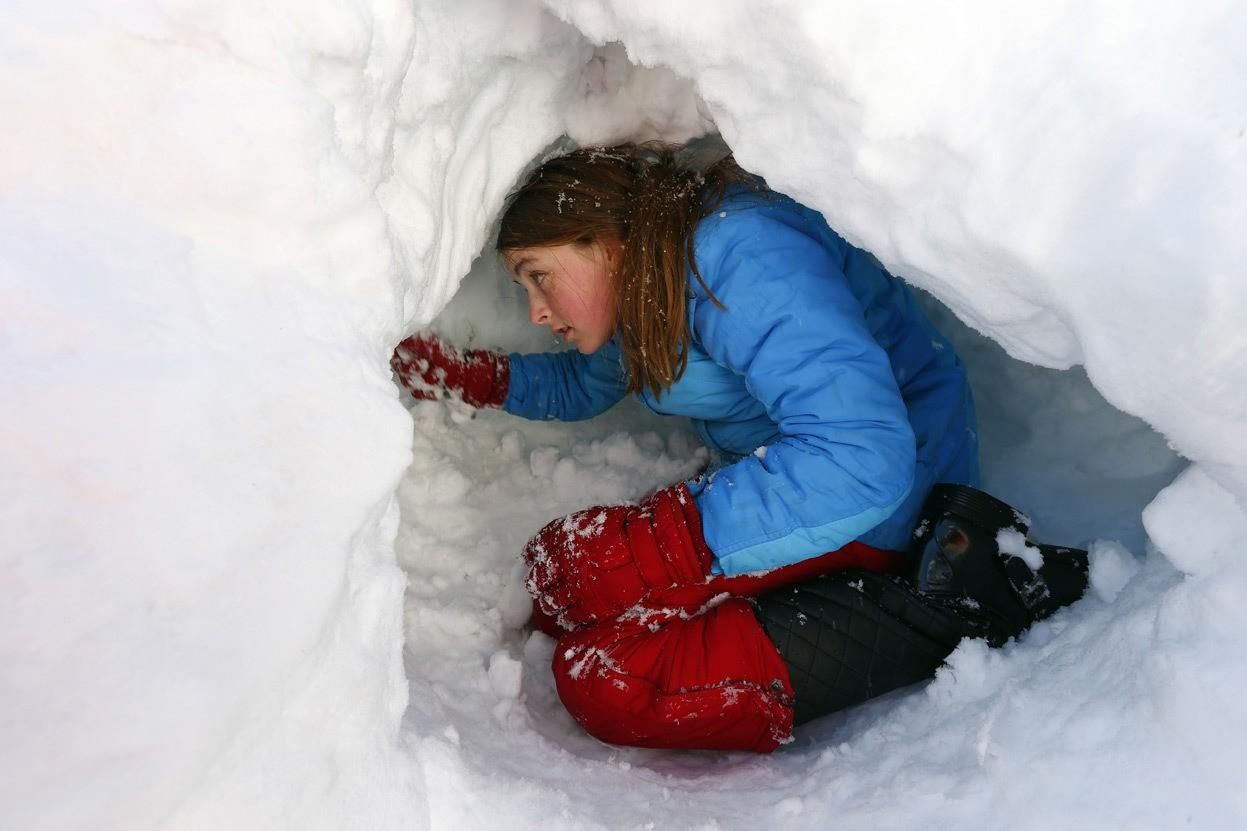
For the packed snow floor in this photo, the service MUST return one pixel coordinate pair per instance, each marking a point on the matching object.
(1068, 725)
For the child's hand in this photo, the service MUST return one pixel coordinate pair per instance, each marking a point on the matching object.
(597, 563)
(432, 370)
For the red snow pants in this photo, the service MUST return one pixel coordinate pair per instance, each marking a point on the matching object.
(690, 667)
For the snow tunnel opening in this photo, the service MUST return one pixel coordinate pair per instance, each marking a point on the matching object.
(483, 482)
(482, 698)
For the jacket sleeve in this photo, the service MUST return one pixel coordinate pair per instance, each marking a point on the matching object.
(845, 457)
(565, 386)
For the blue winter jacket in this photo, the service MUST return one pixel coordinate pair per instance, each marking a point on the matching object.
(838, 402)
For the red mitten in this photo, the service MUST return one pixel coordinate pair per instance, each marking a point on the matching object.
(596, 563)
(431, 369)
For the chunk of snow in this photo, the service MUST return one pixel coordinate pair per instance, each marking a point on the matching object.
(1111, 568)
(505, 674)
(1012, 543)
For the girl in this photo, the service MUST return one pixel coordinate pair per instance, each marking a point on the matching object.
(832, 402)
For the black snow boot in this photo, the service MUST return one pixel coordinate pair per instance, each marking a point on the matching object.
(849, 636)
(958, 560)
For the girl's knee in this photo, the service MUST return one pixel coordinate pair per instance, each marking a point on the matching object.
(598, 692)
(690, 684)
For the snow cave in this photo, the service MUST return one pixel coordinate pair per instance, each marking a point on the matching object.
(249, 584)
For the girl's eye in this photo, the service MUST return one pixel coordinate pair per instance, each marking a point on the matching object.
(538, 277)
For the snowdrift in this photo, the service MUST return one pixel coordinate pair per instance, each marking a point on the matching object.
(216, 220)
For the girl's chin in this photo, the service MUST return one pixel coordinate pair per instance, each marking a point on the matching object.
(588, 347)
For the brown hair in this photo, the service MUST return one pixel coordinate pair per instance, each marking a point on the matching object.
(642, 196)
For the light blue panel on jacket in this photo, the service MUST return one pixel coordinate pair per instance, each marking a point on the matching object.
(724, 414)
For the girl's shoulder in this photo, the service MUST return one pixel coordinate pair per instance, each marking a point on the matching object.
(744, 212)
(741, 205)
(750, 222)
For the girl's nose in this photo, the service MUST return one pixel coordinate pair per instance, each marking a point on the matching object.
(538, 313)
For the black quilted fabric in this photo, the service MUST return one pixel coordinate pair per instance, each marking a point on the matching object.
(850, 636)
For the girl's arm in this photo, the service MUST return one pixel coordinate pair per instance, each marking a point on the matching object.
(793, 329)
(565, 386)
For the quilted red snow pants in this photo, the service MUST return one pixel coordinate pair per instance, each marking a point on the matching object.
(693, 667)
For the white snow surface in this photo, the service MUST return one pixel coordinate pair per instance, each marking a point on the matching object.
(1013, 543)
(217, 218)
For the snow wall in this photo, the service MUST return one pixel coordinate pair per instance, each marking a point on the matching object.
(216, 220)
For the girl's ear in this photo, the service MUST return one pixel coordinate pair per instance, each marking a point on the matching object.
(613, 250)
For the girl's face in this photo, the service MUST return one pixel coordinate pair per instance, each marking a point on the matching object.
(569, 289)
